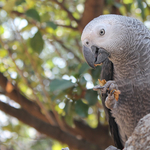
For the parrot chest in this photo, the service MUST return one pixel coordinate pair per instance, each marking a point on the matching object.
(133, 104)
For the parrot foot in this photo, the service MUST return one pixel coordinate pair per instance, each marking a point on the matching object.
(111, 88)
(110, 101)
(105, 86)
(113, 94)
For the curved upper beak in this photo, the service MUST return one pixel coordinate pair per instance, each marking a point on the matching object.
(94, 55)
(88, 55)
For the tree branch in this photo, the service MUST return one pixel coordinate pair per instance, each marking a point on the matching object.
(95, 7)
(45, 128)
(28, 105)
(115, 10)
(101, 134)
(67, 26)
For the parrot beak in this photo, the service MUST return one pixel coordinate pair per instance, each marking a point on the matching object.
(89, 57)
(94, 56)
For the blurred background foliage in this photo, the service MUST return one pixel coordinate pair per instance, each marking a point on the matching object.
(41, 56)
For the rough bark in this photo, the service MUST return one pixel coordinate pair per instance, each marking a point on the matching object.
(140, 138)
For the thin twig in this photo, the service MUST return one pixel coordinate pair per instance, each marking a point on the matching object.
(71, 17)
(67, 26)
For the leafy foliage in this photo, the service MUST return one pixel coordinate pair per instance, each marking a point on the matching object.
(81, 108)
(33, 14)
(60, 84)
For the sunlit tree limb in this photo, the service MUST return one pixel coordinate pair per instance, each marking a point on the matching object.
(43, 127)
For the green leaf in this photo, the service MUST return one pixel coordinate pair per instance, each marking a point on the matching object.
(37, 42)
(81, 108)
(91, 97)
(69, 119)
(52, 25)
(84, 67)
(18, 2)
(67, 107)
(33, 14)
(69, 112)
(60, 84)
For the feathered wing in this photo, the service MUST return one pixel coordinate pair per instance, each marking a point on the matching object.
(107, 74)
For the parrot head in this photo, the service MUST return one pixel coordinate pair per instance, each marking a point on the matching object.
(103, 37)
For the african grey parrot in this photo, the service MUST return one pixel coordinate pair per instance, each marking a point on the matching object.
(122, 44)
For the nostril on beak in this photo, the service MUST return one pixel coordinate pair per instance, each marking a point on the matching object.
(87, 42)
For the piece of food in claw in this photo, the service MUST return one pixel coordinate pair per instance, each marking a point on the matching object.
(102, 82)
(116, 93)
(97, 64)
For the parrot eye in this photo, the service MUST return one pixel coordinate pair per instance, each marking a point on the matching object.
(102, 32)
